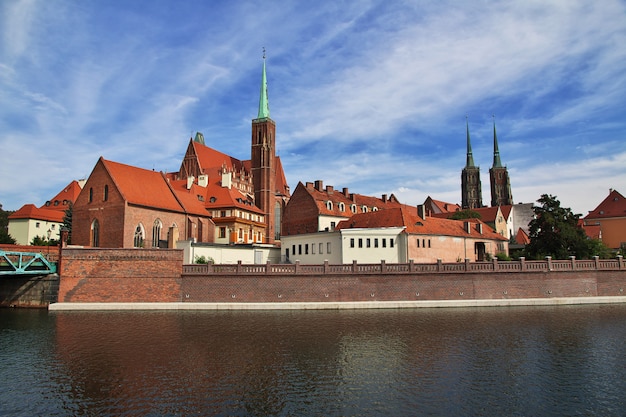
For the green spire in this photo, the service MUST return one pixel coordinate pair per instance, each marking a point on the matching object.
(264, 106)
(496, 153)
(470, 157)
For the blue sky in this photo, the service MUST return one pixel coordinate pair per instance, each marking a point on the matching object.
(370, 95)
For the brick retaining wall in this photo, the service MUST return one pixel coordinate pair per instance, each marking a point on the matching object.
(120, 275)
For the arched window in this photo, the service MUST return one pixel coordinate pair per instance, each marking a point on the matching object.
(329, 205)
(277, 218)
(95, 233)
(139, 236)
(353, 208)
(156, 233)
(364, 208)
(342, 207)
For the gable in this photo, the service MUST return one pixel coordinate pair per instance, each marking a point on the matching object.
(612, 206)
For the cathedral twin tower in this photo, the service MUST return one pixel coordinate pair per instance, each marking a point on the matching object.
(471, 190)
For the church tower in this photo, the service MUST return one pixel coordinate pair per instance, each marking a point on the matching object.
(499, 177)
(263, 160)
(471, 192)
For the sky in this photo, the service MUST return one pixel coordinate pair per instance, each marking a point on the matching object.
(372, 95)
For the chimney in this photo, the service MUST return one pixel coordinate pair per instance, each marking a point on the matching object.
(329, 189)
(319, 185)
(421, 211)
(345, 192)
(309, 184)
(190, 182)
(384, 198)
(203, 180)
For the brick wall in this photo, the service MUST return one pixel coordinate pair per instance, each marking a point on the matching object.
(28, 290)
(51, 253)
(120, 275)
(395, 287)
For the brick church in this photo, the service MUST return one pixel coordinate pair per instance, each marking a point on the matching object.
(213, 197)
(471, 189)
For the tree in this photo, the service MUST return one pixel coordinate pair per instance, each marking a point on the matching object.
(554, 232)
(5, 237)
(465, 214)
(67, 221)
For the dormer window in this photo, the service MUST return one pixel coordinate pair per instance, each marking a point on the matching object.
(212, 199)
(353, 208)
(375, 209)
(342, 207)
(329, 205)
(364, 209)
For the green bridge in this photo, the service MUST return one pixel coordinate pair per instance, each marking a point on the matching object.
(25, 263)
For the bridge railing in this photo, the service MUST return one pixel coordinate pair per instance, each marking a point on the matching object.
(522, 265)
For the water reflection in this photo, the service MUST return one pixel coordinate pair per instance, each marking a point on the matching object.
(495, 361)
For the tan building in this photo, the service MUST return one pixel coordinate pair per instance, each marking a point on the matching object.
(610, 216)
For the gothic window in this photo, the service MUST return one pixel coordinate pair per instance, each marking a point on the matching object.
(277, 216)
(90, 195)
(95, 233)
(200, 231)
(156, 233)
(139, 236)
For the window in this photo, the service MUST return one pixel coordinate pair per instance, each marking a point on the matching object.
(384, 243)
(368, 242)
(306, 249)
(351, 242)
(329, 205)
(360, 242)
(156, 233)
(95, 233)
(293, 249)
(353, 208)
(105, 197)
(299, 249)
(90, 195)
(313, 248)
(222, 232)
(139, 236)
(391, 243)
(277, 216)
(200, 230)
(342, 207)
(364, 208)
(429, 243)
(321, 248)
(52, 226)
(418, 242)
(37, 225)
(376, 242)
(327, 247)
(223, 213)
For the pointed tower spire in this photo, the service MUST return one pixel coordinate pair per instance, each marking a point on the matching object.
(264, 106)
(470, 156)
(497, 163)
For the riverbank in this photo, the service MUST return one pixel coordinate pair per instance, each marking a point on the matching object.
(340, 305)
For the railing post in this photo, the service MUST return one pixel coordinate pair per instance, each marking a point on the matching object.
(522, 262)
(467, 264)
(573, 259)
(325, 266)
(297, 266)
(268, 267)
(238, 267)
(354, 267)
(411, 265)
(596, 259)
(383, 267)
(495, 264)
(439, 266)
(620, 261)
(549, 262)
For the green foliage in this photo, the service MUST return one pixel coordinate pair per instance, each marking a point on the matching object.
(5, 237)
(501, 256)
(465, 214)
(40, 241)
(554, 232)
(67, 222)
(203, 259)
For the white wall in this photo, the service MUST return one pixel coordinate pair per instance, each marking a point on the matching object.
(25, 230)
(229, 254)
(373, 254)
(307, 248)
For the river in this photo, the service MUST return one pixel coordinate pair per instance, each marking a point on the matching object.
(515, 361)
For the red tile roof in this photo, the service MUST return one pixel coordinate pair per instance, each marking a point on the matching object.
(441, 206)
(29, 211)
(328, 194)
(522, 237)
(64, 197)
(211, 161)
(407, 216)
(142, 187)
(612, 206)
